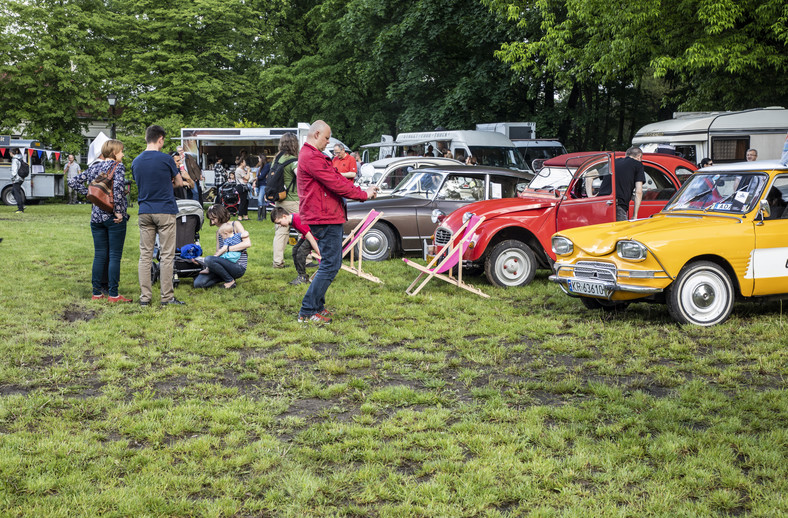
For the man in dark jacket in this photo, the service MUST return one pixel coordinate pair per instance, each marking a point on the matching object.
(321, 189)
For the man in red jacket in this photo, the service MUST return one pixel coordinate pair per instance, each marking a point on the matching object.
(321, 189)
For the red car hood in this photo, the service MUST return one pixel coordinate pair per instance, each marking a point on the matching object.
(495, 208)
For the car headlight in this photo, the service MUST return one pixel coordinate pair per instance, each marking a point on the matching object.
(562, 246)
(437, 216)
(631, 250)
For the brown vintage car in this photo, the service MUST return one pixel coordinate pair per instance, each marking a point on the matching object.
(410, 213)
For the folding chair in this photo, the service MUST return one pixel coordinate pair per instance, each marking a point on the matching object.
(447, 258)
(353, 239)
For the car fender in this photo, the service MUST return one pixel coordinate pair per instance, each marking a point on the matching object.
(522, 225)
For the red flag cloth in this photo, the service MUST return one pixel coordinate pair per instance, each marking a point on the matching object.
(2, 151)
(57, 155)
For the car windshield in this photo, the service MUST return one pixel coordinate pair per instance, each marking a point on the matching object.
(498, 157)
(719, 192)
(419, 184)
(552, 178)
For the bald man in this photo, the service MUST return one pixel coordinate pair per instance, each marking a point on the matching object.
(321, 189)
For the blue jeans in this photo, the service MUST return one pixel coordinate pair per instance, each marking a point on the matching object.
(108, 239)
(261, 196)
(219, 270)
(329, 241)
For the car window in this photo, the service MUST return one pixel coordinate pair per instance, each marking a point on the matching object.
(778, 198)
(505, 186)
(396, 176)
(722, 192)
(595, 181)
(658, 186)
(683, 174)
(465, 188)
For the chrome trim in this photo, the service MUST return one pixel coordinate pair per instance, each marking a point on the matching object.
(612, 287)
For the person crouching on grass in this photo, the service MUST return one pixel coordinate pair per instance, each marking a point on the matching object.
(284, 219)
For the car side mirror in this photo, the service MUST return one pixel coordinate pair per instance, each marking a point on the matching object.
(765, 210)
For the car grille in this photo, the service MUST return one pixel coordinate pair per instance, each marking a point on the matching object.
(595, 270)
(442, 236)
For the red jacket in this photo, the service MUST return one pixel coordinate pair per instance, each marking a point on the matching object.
(321, 189)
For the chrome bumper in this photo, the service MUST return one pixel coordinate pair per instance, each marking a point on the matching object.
(610, 287)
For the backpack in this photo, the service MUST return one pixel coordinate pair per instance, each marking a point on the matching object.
(275, 181)
(24, 169)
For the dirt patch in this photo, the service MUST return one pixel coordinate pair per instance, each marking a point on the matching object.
(74, 313)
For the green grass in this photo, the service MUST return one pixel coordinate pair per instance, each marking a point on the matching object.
(443, 404)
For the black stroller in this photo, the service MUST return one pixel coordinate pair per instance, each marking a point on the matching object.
(188, 223)
(228, 195)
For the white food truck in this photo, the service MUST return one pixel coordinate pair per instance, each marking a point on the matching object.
(721, 136)
(39, 184)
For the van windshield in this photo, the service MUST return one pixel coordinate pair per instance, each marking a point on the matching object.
(498, 157)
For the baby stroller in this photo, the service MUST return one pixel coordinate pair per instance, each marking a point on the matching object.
(228, 195)
(188, 223)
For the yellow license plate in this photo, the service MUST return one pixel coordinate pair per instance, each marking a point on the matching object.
(291, 241)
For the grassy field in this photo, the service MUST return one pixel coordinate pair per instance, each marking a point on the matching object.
(443, 404)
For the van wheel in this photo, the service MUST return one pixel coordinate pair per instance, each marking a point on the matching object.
(8, 196)
(605, 305)
(511, 263)
(702, 294)
(378, 243)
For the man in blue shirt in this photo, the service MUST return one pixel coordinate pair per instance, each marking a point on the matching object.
(156, 175)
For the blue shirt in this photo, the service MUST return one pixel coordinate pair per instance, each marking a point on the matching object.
(153, 171)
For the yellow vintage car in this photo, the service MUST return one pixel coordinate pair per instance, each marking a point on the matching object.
(723, 235)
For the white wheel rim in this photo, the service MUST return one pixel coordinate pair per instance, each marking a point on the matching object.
(704, 297)
(375, 244)
(512, 267)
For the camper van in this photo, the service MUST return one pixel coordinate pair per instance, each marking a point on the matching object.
(207, 144)
(489, 148)
(39, 184)
(721, 136)
(523, 135)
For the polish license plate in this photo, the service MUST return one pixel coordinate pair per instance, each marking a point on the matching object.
(595, 289)
(291, 241)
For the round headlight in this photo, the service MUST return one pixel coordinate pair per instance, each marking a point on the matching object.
(631, 250)
(562, 246)
(437, 216)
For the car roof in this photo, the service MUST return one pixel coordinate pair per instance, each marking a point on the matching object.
(385, 162)
(756, 166)
(562, 160)
(477, 170)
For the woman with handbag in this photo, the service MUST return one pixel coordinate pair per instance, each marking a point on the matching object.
(108, 224)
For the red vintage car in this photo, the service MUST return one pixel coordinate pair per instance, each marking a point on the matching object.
(514, 239)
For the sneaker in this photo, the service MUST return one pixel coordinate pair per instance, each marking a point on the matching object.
(173, 301)
(119, 298)
(301, 279)
(277, 266)
(144, 303)
(317, 319)
(98, 297)
(19, 212)
(326, 313)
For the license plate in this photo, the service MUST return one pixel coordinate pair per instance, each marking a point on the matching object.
(596, 289)
(291, 241)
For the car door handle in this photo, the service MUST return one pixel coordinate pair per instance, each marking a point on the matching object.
(609, 202)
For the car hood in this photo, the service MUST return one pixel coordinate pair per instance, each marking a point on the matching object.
(501, 207)
(384, 202)
(654, 232)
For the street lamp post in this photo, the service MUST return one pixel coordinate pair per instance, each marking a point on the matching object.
(112, 99)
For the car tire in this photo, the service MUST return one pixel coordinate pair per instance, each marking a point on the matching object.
(511, 263)
(702, 294)
(605, 305)
(8, 196)
(379, 243)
